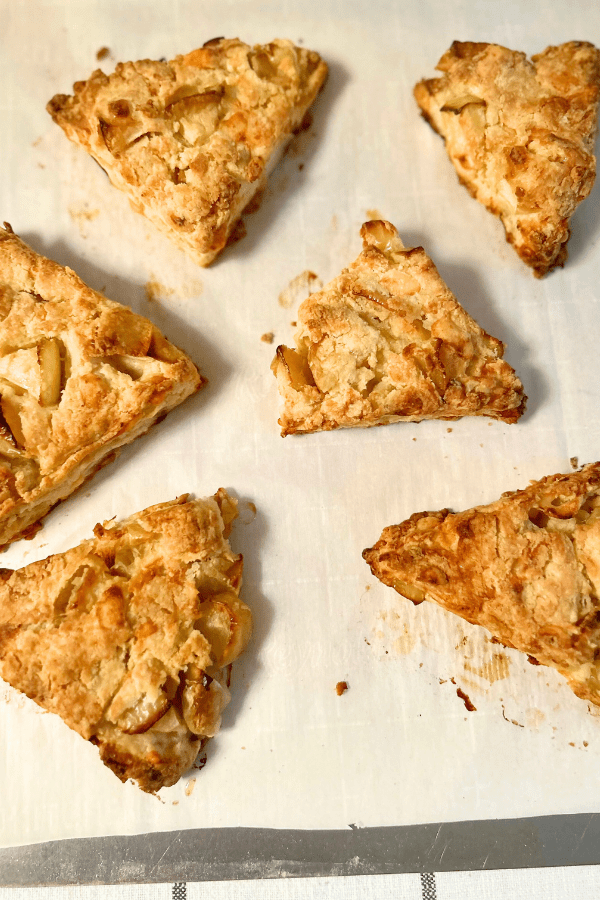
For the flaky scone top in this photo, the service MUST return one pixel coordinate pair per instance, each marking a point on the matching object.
(521, 135)
(387, 341)
(80, 375)
(191, 140)
(526, 567)
(126, 637)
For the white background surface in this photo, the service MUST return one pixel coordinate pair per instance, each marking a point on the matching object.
(399, 747)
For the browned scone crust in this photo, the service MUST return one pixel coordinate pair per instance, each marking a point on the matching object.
(387, 341)
(80, 376)
(521, 135)
(526, 567)
(190, 141)
(126, 637)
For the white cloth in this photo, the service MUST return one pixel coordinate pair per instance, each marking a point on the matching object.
(571, 883)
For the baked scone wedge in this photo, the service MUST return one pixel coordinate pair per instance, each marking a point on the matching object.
(520, 135)
(80, 376)
(526, 567)
(191, 141)
(128, 636)
(387, 341)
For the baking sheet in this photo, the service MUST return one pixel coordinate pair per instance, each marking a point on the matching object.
(399, 747)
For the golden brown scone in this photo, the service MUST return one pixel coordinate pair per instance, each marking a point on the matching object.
(127, 636)
(527, 568)
(386, 341)
(80, 376)
(192, 140)
(521, 136)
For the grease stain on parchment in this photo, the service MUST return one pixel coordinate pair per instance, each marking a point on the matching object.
(535, 717)
(82, 216)
(495, 669)
(299, 288)
(395, 632)
(190, 787)
(156, 290)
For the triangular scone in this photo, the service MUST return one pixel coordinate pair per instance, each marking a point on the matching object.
(126, 637)
(80, 376)
(521, 136)
(527, 568)
(386, 341)
(192, 140)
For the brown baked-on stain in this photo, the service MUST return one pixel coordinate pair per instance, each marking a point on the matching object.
(299, 288)
(574, 462)
(267, 337)
(341, 688)
(512, 721)
(466, 699)
(102, 53)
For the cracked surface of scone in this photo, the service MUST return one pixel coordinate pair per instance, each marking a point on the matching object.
(526, 567)
(386, 341)
(521, 135)
(128, 636)
(192, 140)
(80, 376)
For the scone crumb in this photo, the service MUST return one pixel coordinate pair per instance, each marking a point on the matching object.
(449, 430)
(469, 705)
(267, 337)
(574, 462)
(341, 688)
(102, 53)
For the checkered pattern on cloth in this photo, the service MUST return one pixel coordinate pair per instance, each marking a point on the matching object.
(428, 886)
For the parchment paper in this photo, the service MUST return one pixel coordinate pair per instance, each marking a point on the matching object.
(399, 747)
